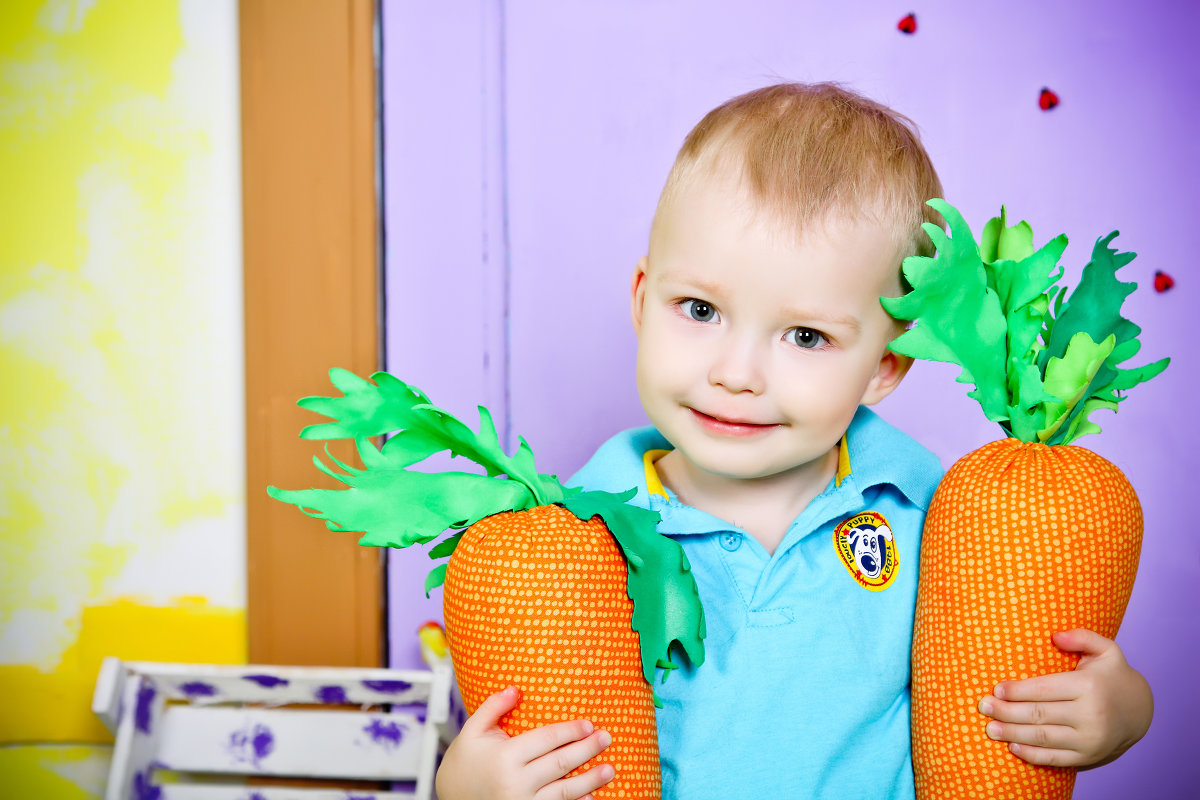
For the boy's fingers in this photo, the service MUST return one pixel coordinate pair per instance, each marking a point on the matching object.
(1044, 688)
(578, 786)
(538, 742)
(1046, 756)
(490, 711)
(1081, 640)
(1055, 737)
(1027, 712)
(560, 762)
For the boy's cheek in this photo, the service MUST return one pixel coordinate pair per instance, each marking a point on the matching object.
(661, 341)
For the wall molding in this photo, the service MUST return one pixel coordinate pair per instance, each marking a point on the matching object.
(311, 243)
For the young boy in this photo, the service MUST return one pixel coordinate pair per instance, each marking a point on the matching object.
(761, 341)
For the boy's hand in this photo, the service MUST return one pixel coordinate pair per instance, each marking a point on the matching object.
(484, 763)
(1083, 718)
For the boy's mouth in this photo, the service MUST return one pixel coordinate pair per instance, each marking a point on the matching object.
(730, 426)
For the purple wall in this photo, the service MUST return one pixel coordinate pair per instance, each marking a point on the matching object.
(525, 145)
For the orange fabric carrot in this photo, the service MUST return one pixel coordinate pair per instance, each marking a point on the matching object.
(567, 616)
(571, 596)
(1027, 535)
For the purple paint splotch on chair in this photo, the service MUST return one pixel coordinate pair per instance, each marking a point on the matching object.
(266, 681)
(195, 689)
(385, 733)
(143, 789)
(388, 687)
(251, 745)
(143, 713)
(332, 695)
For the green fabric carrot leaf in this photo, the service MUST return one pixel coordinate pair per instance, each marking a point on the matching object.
(1042, 361)
(1023, 279)
(388, 404)
(950, 288)
(999, 241)
(398, 508)
(658, 616)
(394, 506)
(1093, 311)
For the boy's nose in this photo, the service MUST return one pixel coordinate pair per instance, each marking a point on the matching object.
(737, 368)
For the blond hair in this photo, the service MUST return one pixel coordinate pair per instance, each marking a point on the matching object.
(805, 152)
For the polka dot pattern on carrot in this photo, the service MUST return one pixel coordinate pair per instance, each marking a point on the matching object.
(537, 599)
(1021, 540)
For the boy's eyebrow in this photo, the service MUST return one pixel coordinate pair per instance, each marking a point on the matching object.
(709, 287)
(806, 314)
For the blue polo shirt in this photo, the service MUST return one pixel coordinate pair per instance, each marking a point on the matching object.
(804, 692)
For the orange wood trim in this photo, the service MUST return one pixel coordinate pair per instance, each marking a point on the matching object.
(312, 302)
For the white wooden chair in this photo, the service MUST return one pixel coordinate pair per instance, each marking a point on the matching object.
(194, 732)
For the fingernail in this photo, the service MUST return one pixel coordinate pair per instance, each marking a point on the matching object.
(607, 772)
(993, 730)
(588, 727)
(986, 707)
(605, 738)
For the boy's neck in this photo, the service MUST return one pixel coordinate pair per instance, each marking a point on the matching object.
(763, 507)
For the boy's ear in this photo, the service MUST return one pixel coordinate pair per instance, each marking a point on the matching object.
(891, 370)
(637, 292)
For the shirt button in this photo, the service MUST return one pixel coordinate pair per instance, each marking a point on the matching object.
(731, 541)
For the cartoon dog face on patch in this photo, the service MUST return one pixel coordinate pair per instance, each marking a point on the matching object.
(868, 546)
(865, 546)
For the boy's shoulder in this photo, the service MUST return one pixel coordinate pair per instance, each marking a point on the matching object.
(879, 452)
(618, 464)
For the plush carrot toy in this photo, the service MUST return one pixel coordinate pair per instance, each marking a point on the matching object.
(571, 596)
(1030, 534)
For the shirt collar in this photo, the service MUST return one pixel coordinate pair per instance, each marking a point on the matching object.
(654, 485)
(871, 451)
(882, 454)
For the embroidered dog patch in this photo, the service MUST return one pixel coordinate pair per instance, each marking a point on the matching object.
(867, 548)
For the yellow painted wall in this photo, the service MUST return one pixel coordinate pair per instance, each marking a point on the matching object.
(121, 423)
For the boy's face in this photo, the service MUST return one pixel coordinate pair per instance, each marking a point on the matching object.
(755, 349)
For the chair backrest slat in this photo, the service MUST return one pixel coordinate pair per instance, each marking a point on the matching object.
(215, 725)
(291, 742)
(227, 792)
(199, 683)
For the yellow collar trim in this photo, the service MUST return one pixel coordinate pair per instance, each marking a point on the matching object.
(843, 462)
(653, 483)
(655, 486)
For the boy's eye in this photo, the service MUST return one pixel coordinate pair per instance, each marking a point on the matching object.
(699, 310)
(806, 338)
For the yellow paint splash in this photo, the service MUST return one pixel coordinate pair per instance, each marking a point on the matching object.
(53, 773)
(63, 92)
(118, 439)
(56, 706)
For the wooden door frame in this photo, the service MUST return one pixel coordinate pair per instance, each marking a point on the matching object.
(312, 301)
